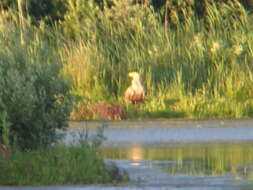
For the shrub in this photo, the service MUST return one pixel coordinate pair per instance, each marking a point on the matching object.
(46, 10)
(34, 97)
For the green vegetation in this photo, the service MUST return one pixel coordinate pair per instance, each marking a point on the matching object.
(196, 68)
(195, 57)
(35, 99)
(192, 68)
(61, 164)
(57, 166)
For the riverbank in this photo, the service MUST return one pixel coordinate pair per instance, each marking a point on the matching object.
(58, 165)
(197, 65)
(213, 156)
(162, 123)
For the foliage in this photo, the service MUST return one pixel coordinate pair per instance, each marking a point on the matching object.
(34, 97)
(78, 17)
(77, 163)
(171, 10)
(198, 66)
(56, 166)
(47, 10)
(190, 70)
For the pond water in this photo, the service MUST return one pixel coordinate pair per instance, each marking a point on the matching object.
(173, 154)
(178, 154)
(208, 165)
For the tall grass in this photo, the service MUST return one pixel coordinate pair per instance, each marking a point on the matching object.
(61, 164)
(57, 166)
(201, 68)
(195, 68)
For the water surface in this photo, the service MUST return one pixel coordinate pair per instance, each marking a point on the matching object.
(172, 154)
(179, 154)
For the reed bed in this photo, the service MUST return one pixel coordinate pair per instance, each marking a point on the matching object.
(200, 68)
(59, 165)
(196, 67)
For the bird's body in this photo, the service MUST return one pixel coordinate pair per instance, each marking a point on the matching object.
(135, 92)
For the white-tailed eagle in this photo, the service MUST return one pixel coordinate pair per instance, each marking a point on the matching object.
(135, 92)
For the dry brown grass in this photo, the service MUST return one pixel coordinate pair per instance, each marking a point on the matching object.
(97, 110)
(4, 151)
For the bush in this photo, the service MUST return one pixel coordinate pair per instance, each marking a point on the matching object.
(46, 10)
(34, 97)
(74, 10)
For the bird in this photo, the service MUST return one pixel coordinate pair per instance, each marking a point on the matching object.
(135, 92)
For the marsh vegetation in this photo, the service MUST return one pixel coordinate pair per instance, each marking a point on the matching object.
(62, 60)
(195, 57)
(60, 164)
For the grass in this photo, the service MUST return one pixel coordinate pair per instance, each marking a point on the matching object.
(207, 70)
(198, 68)
(59, 165)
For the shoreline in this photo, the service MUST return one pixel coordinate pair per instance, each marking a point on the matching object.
(168, 123)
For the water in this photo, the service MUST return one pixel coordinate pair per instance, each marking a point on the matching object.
(178, 154)
(174, 154)
(167, 131)
(208, 165)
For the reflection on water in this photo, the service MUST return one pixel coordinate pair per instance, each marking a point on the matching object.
(182, 154)
(136, 154)
(208, 159)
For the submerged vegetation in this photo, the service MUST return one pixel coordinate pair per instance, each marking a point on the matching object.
(195, 57)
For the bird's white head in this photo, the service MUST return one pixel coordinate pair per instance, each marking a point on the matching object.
(134, 75)
(136, 79)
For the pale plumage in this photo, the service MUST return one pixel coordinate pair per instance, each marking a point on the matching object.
(135, 92)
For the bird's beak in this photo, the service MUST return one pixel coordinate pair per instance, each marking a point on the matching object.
(130, 75)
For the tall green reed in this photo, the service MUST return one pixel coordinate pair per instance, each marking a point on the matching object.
(200, 68)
